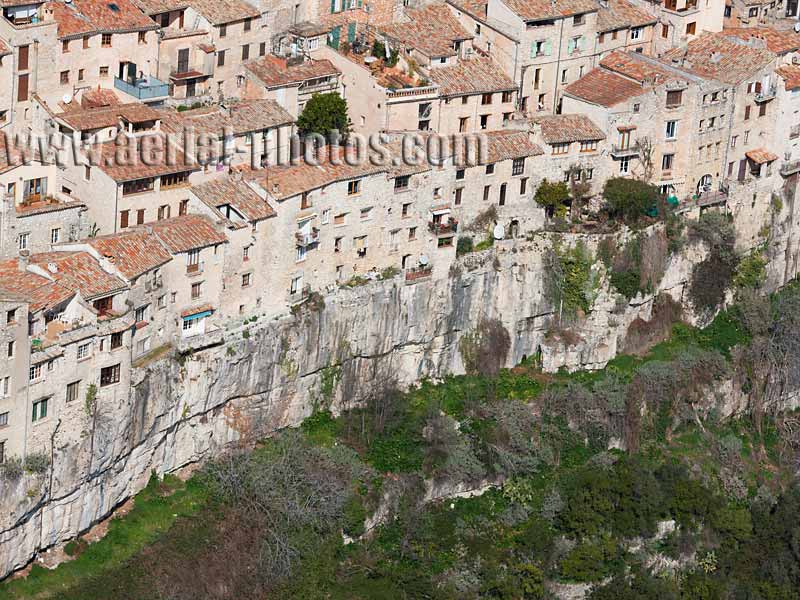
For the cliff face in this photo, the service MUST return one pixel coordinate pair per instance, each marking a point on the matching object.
(271, 373)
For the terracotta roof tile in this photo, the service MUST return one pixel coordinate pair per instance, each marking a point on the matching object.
(539, 10)
(506, 145)
(105, 157)
(430, 30)
(238, 194)
(44, 207)
(154, 7)
(790, 75)
(187, 232)
(114, 16)
(40, 291)
(761, 155)
(218, 12)
(240, 117)
(471, 76)
(716, 56)
(84, 119)
(636, 66)
(133, 252)
(80, 272)
(196, 310)
(558, 129)
(273, 71)
(98, 97)
(70, 22)
(476, 8)
(4, 49)
(604, 88)
(620, 14)
(779, 41)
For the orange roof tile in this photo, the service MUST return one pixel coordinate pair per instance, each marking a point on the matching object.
(559, 129)
(80, 272)
(154, 7)
(638, 67)
(540, 10)
(471, 76)
(196, 310)
(187, 232)
(224, 11)
(40, 291)
(621, 14)
(779, 41)
(273, 71)
(98, 97)
(430, 30)
(241, 117)
(790, 75)
(133, 252)
(761, 156)
(114, 16)
(71, 24)
(238, 194)
(84, 119)
(105, 157)
(604, 88)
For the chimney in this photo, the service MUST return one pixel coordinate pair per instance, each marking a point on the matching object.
(24, 260)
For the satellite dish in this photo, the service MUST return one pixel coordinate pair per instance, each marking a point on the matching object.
(797, 27)
(67, 98)
(423, 260)
(499, 232)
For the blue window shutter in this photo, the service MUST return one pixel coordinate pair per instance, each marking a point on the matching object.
(333, 6)
(570, 46)
(548, 48)
(351, 32)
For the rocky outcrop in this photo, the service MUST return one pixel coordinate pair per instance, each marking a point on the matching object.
(271, 373)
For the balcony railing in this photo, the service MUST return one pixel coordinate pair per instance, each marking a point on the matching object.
(143, 89)
(307, 239)
(440, 228)
(620, 150)
(790, 168)
(766, 94)
(417, 273)
(195, 268)
(190, 71)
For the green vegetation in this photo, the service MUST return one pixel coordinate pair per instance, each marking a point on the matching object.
(572, 283)
(553, 197)
(630, 200)
(719, 497)
(323, 114)
(714, 275)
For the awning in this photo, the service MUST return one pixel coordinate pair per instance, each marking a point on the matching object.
(442, 209)
(626, 127)
(761, 156)
(198, 311)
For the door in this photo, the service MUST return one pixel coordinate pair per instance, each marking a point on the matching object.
(22, 60)
(22, 88)
(183, 60)
(191, 90)
(502, 195)
(333, 37)
(742, 169)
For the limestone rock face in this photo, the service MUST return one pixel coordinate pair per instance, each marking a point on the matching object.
(270, 374)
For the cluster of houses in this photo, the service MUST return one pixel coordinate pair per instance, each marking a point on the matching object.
(109, 259)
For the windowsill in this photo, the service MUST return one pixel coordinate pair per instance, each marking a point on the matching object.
(84, 359)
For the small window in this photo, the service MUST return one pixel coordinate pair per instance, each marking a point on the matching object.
(72, 391)
(674, 98)
(401, 183)
(247, 279)
(109, 375)
(666, 162)
(35, 372)
(247, 24)
(487, 190)
(23, 240)
(460, 174)
(406, 210)
(636, 107)
(10, 349)
(80, 74)
(83, 351)
(85, 42)
(116, 340)
(11, 316)
(106, 40)
(589, 146)
(353, 187)
(245, 51)
(64, 77)
(486, 99)
(65, 46)
(104, 71)
(142, 37)
(223, 30)
(518, 166)
(39, 410)
(561, 148)
(3, 423)
(196, 290)
(221, 58)
(55, 235)
(578, 20)
(490, 169)
(746, 113)
(691, 28)
(508, 97)
(523, 186)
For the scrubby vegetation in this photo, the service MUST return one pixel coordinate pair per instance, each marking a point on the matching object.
(626, 479)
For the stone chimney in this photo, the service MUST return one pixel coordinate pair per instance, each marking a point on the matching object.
(24, 260)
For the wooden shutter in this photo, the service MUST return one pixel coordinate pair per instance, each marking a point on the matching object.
(22, 88)
(22, 59)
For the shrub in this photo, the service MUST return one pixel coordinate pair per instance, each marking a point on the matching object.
(714, 275)
(630, 199)
(11, 469)
(552, 197)
(485, 349)
(464, 245)
(590, 561)
(572, 283)
(37, 462)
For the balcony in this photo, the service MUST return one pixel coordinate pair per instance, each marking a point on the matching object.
(418, 273)
(790, 168)
(185, 71)
(765, 95)
(622, 151)
(443, 229)
(304, 240)
(148, 88)
(196, 268)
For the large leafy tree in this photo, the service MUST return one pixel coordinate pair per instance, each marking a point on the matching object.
(324, 114)
(630, 199)
(552, 196)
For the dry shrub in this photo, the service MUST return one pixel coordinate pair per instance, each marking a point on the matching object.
(484, 350)
(654, 251)
(643, 335)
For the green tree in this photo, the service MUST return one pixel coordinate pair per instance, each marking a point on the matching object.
(552, 196)
(323, 114)
(630, 199)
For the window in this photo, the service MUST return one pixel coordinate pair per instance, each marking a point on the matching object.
(142, 37)
(174, 180)
(762, 110)
(247, 279)
(87, 173)
(412, 233)
(518, 166)
(463, 123)
(22, 58)
(464, 99)
(564, 75)
(72, 390)
(109, 375)
(561, 148)
(3, 423)
(702, 122)
(140, 216)
(35, 372)
(116, 340)
(746, 113)
(674, 98)
(664, 30)
(221, 58)
(753, 12)
(401, 183)
(487, 190)
(589, 146)
(578, 20)
(366, 213)
(734, 139)
(588, 174)
(624, 165)
(247, 24)
(337, 244)
(64, 77)
(163, 212)
(223, 30)
(123, 218)
(460, 174)
(691, 28)
(636, 107)
(22, 241)
(196, 290)
(5, 386)
(161, 302)
(486, 99)
(85, 42)
(11, 316)
(183, 207)
(245, 253)
(484, 121)
(326, 216)
(103, 71)
(636, 33)
(80, 74)
(245, 51)
(105, 41)
(353, 187)
(84, 350)
(457, 195)
(406, 210)
(65, 46)
(666, 162)
(671, 130)
(39, 410)
(523, 186)
(507, 97)
(10, 349)
(340, 219)
(490, 169)
(141, 314)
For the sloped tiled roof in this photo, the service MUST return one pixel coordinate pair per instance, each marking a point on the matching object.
(70, 22)
(273, 71)
(716, 56)
(187, 232)
(218, 12)
(507, 145)
(430, 30)
(604, 88)
(98, 98)
(240, 117)
(154, 7)
(790, 75)
(133, 252)
(559, 129)
(539, 10)
(161, 163)
(635, 66)
(471, 76)
(110, 16)
(84, 119)
(621, 14)
(779, 41)
(238, 194)
(761, 155)
(39, 291)
(80, 272)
